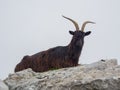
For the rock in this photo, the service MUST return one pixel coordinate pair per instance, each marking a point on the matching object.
(103, 64)
(3, 86)
(101, 75)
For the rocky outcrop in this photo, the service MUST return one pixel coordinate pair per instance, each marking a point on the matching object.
(3, 86)
(101, 75)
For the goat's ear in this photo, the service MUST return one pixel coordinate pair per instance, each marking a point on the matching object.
(87, 33)
(71, 32)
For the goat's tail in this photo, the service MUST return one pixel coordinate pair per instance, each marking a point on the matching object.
(22, 65)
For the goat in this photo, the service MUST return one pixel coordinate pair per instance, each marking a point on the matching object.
(57, 57)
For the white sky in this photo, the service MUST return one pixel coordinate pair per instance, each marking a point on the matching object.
(30, 26)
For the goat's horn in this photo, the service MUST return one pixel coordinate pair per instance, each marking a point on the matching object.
(83, 26)
(75, 23)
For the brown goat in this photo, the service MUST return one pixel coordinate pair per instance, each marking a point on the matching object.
(57, 57)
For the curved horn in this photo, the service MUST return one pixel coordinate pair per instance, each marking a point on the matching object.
(75, 23)
(84, 24)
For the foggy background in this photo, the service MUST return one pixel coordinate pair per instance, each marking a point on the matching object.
(30, 26)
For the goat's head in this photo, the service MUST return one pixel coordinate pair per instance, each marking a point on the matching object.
(79, 34)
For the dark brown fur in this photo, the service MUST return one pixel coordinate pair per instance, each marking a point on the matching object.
(54, 58)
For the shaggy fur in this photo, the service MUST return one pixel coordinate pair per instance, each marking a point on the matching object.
(57, 57)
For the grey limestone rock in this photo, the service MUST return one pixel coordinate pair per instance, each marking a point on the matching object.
(3, 86)
(101, 75)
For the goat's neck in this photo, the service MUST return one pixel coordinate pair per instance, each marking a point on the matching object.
(75, 50)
